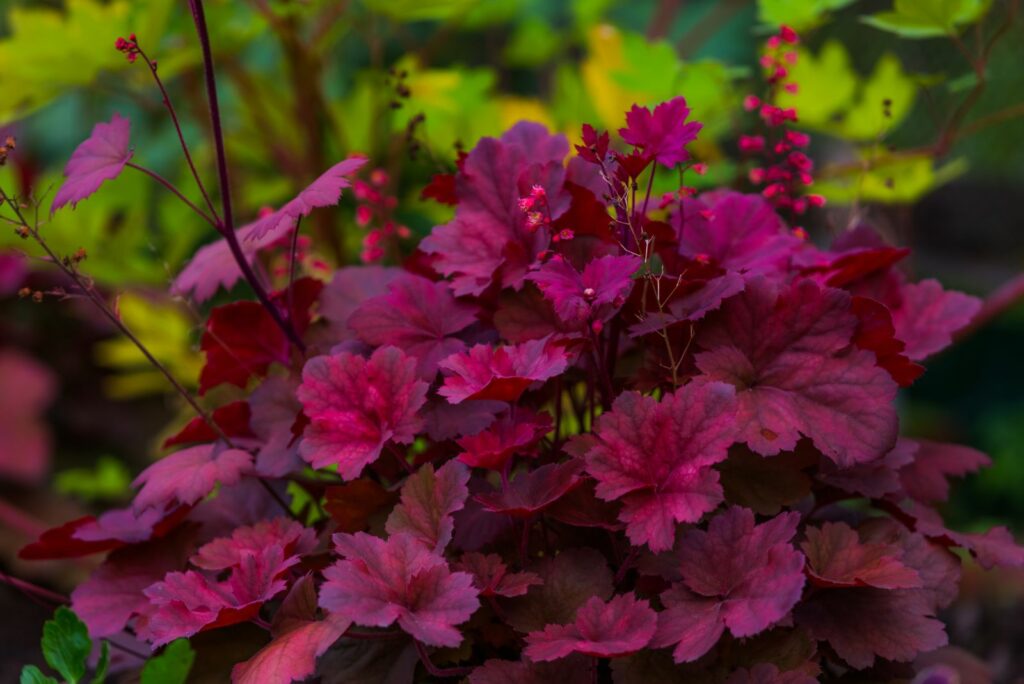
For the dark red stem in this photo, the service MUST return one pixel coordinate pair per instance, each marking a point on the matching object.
(170, 186)
(436, 671)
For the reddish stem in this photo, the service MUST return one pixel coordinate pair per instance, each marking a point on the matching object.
(170, 186)
(436, 671)
(34, 589)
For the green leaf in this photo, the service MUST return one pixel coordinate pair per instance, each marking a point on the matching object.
(888, 179)
(928, 18)
(30, 674)
(109, 480)
(170, 667)
(103, 664)
(66, 644)
(866, 120)
(827, 84)
(798, 14)
(420, 10)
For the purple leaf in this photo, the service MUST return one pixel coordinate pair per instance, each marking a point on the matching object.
(101, 157)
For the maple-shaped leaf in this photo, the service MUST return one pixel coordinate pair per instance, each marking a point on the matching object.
(572, 670)
(352, 504)
(241, 339)
(113, 593)
(768, 673)
(502, 373)
(323, 192)
(232, 419)
(27, 389)
(532, 492)
(348, 289)
(569, 579)
(299, 638)
(580, 507)
(489, 240)
(876, 332)
(929, 315)
(788, 354)
(860, 624)
(838, 558)
(736, 575)
(356, 406)
(662, 134)
(419, 317)
(734, 231)
(444, 421)
(228, 552)
(657, 457)
(441, 189)
(428, 501)
(925, 477)
(100, 157)
(691, 306)
(596, 294)
(110, 530)
(529, 315)
(214, 266)
(622, 626)
(765, 485)
(492, 578)
(187, 476)
(876, 478)
(277, 421)
(186, 603)
(855, 257)
(398, 580)
(511, 434)
(993, 548)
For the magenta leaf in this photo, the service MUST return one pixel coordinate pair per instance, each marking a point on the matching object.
(861, 624)
(596, 294)
(569, 580)
(657, 456)
(734, 231)
(188, 475)
(348, 289)
(228, 552)
(274, 412)
(788, 354)
(492, 578)
(691, 306)
(662, 134)
(838, 558)
(617, 628)
(323, 192)
(877, 478)
(929, 315)
(380, 582)
(299, 639)
(507, 436)
(428, 501)
(532, 492)
(417, 316)
(489, 240)
(736, 575)
(356, 406)
(501, 373)
(100, 157)
(924, 478)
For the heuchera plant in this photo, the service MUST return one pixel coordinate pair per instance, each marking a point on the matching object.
(583, 433)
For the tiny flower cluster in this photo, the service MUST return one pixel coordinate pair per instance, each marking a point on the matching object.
(374, 212)
(129, 47)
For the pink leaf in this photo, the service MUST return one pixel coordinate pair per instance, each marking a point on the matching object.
(299, 639)
(596, 294)
(274, 414)
(876, 478)
(617, 628)
(569, 580)
(348, 289)
(356, 406)
(788, 354)
(502, 373)
(734, 231)
(323, 192)
(532, 492)
(488, 239)
(428, 501)
(657, 458)
(228, 552)
(692, 306)
(863, 623)
(662, 134)
(507, 436)
(188, 475)
(101, 157)
(924, 479)
(492, 578)
(929, 316)
(838, 558)
(27, 388)
(417, 316)
(381, 582)
(738, 575)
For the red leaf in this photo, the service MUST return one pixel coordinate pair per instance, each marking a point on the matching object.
(507, 436)
(838, 558)
(875, 332)
(492, 578)
(232, 419)
(617, 628)
(428, 501)
(502, 373)
(352, 504)
(532, 492)
(187, 476)
(441, 189)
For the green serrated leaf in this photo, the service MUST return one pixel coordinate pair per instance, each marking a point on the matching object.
(799, 14)
(928, 18)
(66, 644)
(420, 10)
(103, 664)
(30, 674)
(171, 666)
(108, 480)
(827, 84)
(888, 82)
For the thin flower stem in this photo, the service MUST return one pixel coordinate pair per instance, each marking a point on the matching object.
(436, 671)
(181, 136)
(18, 520)
(293, 251)
(34, 589)
(228, 221)
(170, 186)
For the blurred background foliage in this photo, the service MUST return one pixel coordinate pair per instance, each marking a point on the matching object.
(908, 136)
